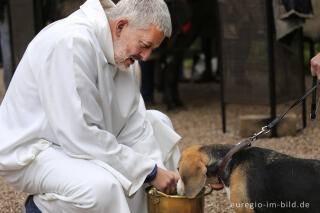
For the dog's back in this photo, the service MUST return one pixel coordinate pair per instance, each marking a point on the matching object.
(280, 183)
(256, 179)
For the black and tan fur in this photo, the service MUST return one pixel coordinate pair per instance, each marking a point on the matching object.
(258, 180)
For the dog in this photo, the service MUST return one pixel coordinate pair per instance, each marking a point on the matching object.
(256, 180)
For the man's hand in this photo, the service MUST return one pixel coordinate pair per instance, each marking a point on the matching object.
(165, 181)
(315, 66)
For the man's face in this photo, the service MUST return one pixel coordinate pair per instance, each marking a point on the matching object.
(136, 44)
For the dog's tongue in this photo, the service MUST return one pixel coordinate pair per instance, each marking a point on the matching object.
(217, 186)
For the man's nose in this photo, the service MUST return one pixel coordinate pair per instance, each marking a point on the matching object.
(145, 54)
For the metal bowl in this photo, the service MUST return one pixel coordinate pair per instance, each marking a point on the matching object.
(159, 202)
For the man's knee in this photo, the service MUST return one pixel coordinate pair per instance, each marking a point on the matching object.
(104, 193)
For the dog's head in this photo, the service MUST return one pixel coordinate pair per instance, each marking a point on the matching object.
(198, 165)
(192, 169)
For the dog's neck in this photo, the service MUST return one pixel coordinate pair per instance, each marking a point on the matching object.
(216, 154)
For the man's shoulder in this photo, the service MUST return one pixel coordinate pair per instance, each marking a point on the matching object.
(63, 36)
(67, 32)
(78, 28)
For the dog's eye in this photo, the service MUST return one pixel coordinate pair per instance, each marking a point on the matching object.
(178, 169)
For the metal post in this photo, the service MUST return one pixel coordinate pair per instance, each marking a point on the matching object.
(21, 15)
(272, 89)
(38, 16)
(301, 52)
(13, 65)
(220, 68)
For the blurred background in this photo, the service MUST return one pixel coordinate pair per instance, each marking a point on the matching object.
(257, 51)
(229, 68)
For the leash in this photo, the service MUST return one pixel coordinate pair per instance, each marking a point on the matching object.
(266, 129)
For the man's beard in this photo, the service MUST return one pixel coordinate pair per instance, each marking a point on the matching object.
(120, 63)
(122, 67)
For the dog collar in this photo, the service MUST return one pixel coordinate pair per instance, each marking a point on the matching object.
(238, 147)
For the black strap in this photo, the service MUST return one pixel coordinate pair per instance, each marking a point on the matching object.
(223, 165)
(278, 119)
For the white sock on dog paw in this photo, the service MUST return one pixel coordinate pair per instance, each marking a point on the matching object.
(228, 191)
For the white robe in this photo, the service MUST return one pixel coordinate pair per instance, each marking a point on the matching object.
(67, 91)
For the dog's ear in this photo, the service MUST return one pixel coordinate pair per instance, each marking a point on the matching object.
(212, 169)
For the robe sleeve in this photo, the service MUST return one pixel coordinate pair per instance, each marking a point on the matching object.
(141, 134)
(72, 104)
(150, 134)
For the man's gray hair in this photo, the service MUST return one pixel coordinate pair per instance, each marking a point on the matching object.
(142, 13)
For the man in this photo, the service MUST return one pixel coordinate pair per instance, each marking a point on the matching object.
(315, 66)
(74, 131)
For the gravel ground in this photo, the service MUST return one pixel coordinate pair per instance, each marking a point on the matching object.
(200, 123)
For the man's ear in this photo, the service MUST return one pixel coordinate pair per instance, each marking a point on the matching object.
(120, 24)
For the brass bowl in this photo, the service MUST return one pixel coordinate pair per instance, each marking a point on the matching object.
(159, 202)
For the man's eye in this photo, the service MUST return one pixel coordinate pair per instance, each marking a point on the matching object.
(146, 46)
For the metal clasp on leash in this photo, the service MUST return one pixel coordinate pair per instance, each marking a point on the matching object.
(264, 130)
